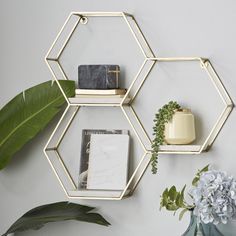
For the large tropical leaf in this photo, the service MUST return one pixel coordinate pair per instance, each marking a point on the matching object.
(60, 211)
(27, 114)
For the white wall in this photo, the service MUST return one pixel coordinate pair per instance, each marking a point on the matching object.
(173, 28)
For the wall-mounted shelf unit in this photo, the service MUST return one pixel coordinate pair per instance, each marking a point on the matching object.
(76, 19)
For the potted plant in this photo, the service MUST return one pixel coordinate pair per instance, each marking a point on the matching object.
(172, 125)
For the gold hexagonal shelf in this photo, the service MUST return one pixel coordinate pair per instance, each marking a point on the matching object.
(51, 150)
(62, 165)
(55, 158)
(222, 92)
(82, 18)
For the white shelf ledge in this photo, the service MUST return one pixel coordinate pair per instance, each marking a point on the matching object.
(97, 100)
(180, 148)
(97, 193)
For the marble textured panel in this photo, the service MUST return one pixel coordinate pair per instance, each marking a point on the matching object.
(98, 76)
(108, 162)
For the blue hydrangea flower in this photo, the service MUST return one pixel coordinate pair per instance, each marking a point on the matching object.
(214, 197)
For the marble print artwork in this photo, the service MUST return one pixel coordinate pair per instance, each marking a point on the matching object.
(108, 162)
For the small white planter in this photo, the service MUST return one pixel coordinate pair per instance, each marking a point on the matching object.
(181, 129)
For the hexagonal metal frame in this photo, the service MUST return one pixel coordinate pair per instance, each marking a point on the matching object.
(127, 109)
(62, 173)
(56, 68)
(53, 143)
(216, 81)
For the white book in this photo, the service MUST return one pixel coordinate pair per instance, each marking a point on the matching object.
(108, 162)
(85, 144)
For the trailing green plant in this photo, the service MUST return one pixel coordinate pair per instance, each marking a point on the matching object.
(36, 218)
(163, 116)
(173, 200)
(28, 113)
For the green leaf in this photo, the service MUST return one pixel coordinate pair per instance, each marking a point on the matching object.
(183, 189)
(27, 114)
(204, 169)
(172, 207)
(195, 180)
(181, 214)
(172, 193)
(178, 200)
(164, 198)
(197, 176)
(181, 200)
(61, 211)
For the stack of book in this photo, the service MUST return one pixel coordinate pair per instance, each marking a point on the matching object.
(88, 96)
(99, 84)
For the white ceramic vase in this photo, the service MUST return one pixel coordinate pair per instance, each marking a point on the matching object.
(181, 129)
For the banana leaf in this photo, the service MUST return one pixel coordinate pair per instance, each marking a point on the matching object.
(36, 218)
(27, 114)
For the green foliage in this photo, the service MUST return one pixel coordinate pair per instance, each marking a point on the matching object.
(163, 116)
(27, 114)
(36, 218)
(197, 176)
(174, 200)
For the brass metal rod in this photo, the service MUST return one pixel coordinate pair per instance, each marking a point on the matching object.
(55, 78)
(140, 176)
(175, 59)
(62, 71)
(51, 149)
(99, 13)
(68, 38)
(134, 129)
(55, 130)
(133, 82)
(216, 128)
(58, 35)
(143, 37)
(144, 78)
(135, 36)
(55, 172)
(218, 83)
(141, 124)
(66, 169)
(51, 59)
(67, 126)
(133, 175)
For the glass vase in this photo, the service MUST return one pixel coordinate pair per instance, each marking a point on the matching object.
(201, 229)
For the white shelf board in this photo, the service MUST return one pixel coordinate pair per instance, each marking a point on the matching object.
(97, 193)
(97, 100)
(180, 148)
